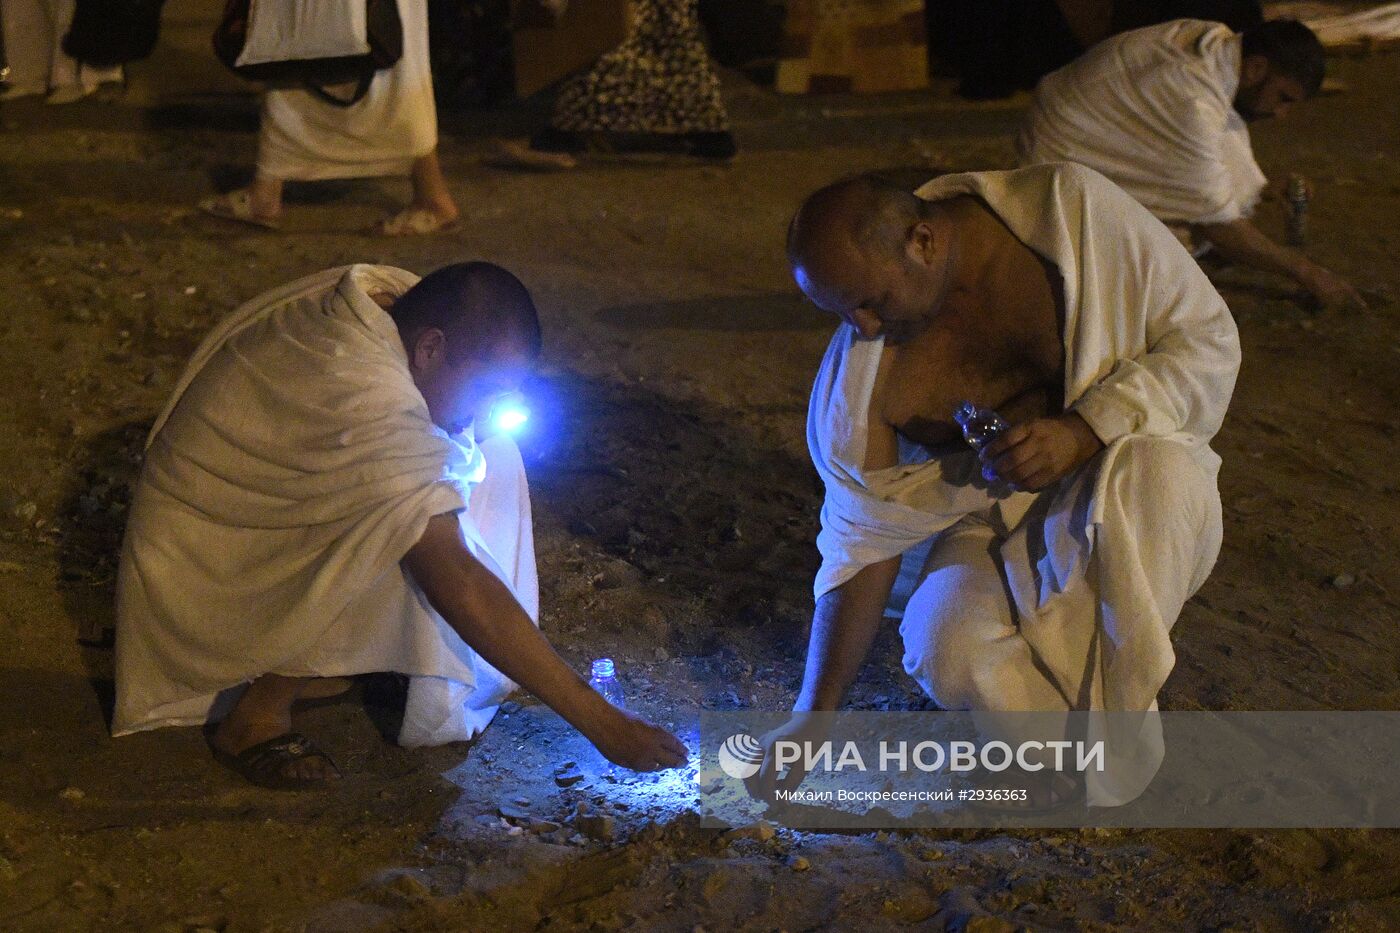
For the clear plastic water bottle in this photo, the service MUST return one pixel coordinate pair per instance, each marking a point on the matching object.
(980, 426)
(604, 680)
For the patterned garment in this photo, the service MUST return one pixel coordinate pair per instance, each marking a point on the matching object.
(659, 80)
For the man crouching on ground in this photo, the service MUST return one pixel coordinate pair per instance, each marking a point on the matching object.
(1050, 295)
(316, 504)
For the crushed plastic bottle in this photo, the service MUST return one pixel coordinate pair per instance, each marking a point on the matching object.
(980, 426)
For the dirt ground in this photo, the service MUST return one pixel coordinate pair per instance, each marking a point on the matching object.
(675, 512)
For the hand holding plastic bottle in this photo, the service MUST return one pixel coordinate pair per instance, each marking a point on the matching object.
(1041, 452)
(626, 739)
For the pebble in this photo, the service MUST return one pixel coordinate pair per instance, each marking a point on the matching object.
(761, 831)
(410, 887)
(568, 774)
(72, 794)
(616, 574)
(511, 812)
(799, 863)
(1342, 580)
(599, 828)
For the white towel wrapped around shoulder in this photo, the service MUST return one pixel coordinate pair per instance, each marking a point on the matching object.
(294, 466)
(1150, 348)
(1153, 111)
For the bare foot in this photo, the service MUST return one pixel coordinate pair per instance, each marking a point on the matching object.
(271, 755)
(419, 221)
(257, 741)
(323, 688)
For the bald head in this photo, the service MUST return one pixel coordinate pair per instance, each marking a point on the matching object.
(859, 217)
(479, 306)
(874, 254)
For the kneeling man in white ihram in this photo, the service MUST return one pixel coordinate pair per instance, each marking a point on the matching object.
(315, 503)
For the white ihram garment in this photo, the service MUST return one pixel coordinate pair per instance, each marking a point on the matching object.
(1063, 599)
(303, 138)
(1153, 111)
(292, 469)
(34, 31)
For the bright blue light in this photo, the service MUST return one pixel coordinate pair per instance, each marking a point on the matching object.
(509, 415)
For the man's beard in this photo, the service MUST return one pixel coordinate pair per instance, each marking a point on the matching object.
(1244, 106)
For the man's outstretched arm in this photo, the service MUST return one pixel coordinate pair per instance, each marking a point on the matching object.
(843, 629)
(483, 611)
(1242, 242)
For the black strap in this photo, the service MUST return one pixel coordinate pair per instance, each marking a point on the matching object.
(361, 89)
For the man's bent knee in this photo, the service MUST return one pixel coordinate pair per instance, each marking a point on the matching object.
(939, 658)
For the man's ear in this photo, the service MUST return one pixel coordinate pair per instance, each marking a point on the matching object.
(1253, 70)
(429, 350)
(921, 243)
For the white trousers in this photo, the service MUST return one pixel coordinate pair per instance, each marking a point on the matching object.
(964, 639)
(34, 30)
(1053, 612)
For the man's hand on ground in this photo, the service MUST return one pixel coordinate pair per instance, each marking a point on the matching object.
(1330, 289)
(1041, 452)
(632, 742)
(803, 728)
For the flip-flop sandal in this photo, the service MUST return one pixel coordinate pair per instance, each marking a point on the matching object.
(265, 764)
(237, 205)
(415, 221)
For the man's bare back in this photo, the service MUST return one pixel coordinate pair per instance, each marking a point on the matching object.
(998, 340)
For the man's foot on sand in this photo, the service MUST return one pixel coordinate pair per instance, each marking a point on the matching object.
(517, 154)
(325, 688)
(287, 762)
(238, 205)
(417, 221)
(269, 754)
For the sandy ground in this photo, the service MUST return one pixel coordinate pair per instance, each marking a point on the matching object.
(676, 511)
